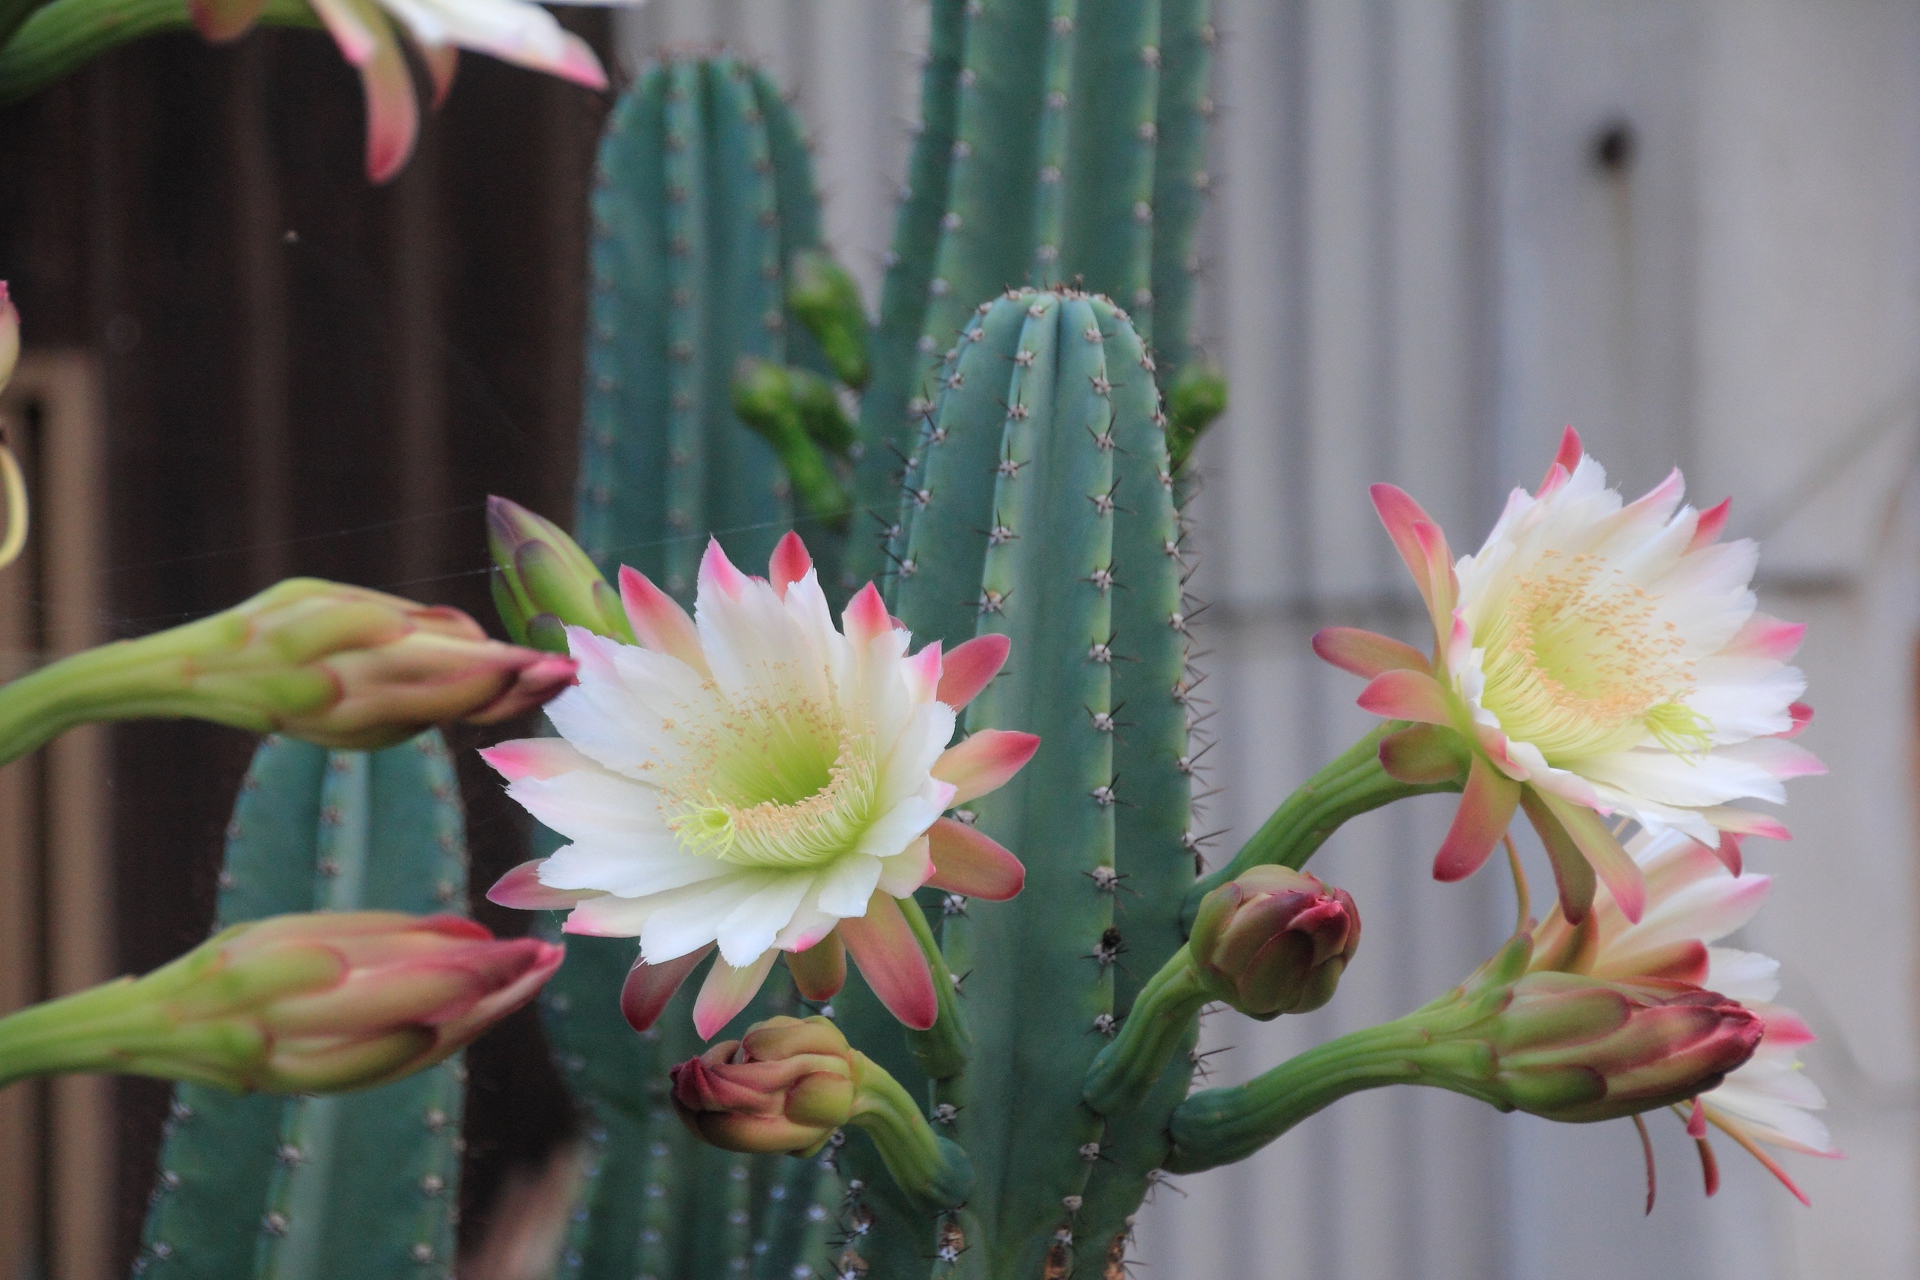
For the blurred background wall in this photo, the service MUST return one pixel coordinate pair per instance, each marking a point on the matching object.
(1443, 229)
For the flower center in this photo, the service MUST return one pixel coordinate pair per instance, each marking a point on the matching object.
(1578, 662)
(770, 782)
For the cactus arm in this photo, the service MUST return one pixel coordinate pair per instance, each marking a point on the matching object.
(1180, 180)
(948, 512)
(796, 201)
(1050, 199)
(690, 320)
(1136, 1148)
(1353, 783)
(800, 1200)
(747, 488)
(898, 361)
(1108, 238)
(359, 1184)
(621, 498)
(1151, 755)
(1044, 946)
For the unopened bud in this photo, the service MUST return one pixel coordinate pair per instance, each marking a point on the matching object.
(790, 1084)
(1274, 941)
(1575, 1049)
(316, 1003)
(543, 582)
(340, 666)
(784, 1087)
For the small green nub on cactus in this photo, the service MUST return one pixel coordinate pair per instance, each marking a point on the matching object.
(1197, 397)
(825, 299)
(766, 398)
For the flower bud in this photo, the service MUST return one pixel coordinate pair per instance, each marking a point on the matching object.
(785, 1087)
(543, 582)
(315, 1003)
(1274, 941)
(340, 666)
(1575, 1049)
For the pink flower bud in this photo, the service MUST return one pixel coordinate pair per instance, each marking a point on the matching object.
(355, 669)
(1274, 941)
(1575, 1049)
(343, 1000)
(785, 1087)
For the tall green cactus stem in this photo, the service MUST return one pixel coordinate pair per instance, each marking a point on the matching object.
(1180, 178)
(1039, 508)
(360, 1184)
(1107, 241)
(1051, 113)
(704, 194)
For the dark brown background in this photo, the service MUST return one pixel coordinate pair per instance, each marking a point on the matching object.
(304, 374)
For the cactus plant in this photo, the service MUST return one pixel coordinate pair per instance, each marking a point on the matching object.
(363, 1184)
(703, 214)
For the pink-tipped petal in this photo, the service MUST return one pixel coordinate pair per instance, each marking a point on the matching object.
(866, 617)
(1696, 1120)
(1366, 653)
(1711, 524)
(789, 564)
(658, 621)
(521, 889)
(1444, 586)
(718, 574)
(1728, 851)
(1400, 513)
(923, 671)
(1486, 810)
(1733, 1130)
(1802, 717)
(393, 115)
(539, 758)
(984, 762)
(1572, 873)
(1745, 822)
(970, 668)
(648, 988)
(1614, 865)
(889, 956)
(1406, 695)
(441, 62)
(221, 20)
(821, 970)
(967, 861)
(1766, 637)
(356, 28)
(727, 990)
(1566, 458)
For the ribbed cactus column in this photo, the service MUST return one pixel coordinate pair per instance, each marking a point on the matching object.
(361, 1184)
(1038, 506)
(1065, 126)
(704, 195)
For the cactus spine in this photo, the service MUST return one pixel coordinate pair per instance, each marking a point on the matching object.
(363, 1184)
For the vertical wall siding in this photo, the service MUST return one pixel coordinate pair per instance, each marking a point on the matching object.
(1418, 270)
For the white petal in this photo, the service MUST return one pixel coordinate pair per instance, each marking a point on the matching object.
(1742, 975)
(626, 870)
(898, 827)
(1665, 778)
(679, 921)
(593, 805)
(749, 930)
(847, 884)
(922, 740)
(907, 870)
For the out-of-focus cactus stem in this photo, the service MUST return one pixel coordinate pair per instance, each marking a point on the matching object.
(768, 398)
(825, 299)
